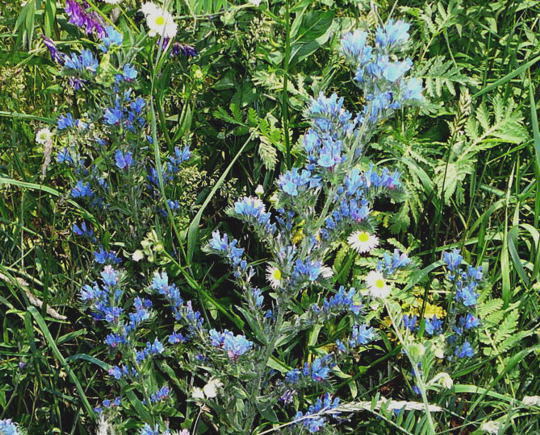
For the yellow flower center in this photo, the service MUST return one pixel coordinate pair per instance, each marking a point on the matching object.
(379, 283)
(160, 21)
(276, 274)
(363, 237)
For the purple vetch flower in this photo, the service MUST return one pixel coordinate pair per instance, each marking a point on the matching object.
(183, 49)
(90, 22)
(56, 55)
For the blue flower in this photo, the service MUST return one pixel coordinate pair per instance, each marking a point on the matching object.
(86, 61)
(64, 156)
(464, 351)
(392, 34)
(109, 276)
(294, 181)
(160, 395)
(129, 72)
(101, 257)
(254, 210)
(123, 160)
(390, 263)
(468, 321)
(114, 340)
(112, 37)
(176, 337)
(411, 89)
(452, 259)
(392, 71)
(160, 284)
(154, 348)
(7, 427)
(312, 419)
(433, 325)
(155, 430)
(409, 322)
(342, 301)
(361, 335)
(354, 46)
(234, 345)
(65, 121)
(138, 105)
(82, 190)
(83, 230)
(257, 297)
(319, 368)
(113, 115)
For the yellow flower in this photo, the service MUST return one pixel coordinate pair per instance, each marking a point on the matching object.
(298, 236)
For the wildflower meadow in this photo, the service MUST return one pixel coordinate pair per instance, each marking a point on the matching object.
(256, 217)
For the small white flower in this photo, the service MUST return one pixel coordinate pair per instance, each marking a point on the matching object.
(210, 389)
(259, 191)
(491, 427)
(376, 284)
(444, 380)
(138, 255)
(362, 241)
(159, 21)
(255, 2)
(531, 400)
(326, 272)
(274, 276)
(197, 393)
(113, 2)
(44, 136)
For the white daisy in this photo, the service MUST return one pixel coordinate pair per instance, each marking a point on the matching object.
(160, 22)
(274, 276)
(44, 136)
(362, 241)
(377, 286)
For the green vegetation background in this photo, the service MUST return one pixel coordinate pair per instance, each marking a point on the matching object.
(470, 160)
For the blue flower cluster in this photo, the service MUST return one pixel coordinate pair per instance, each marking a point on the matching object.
(465, 280)
(317, 371)
(253, 211)
(314, 419)
(221, 245)
(390, 263)
(380, 74)
(342, 301)
(234, 345)
(108, 404)
(102, 256)
(7, 427)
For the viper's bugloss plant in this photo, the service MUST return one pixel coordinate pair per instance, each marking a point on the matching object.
(324, 203)
(107, 152)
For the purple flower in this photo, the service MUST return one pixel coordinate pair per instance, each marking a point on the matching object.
(56, 55)
(184, 49)
(89, 22)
